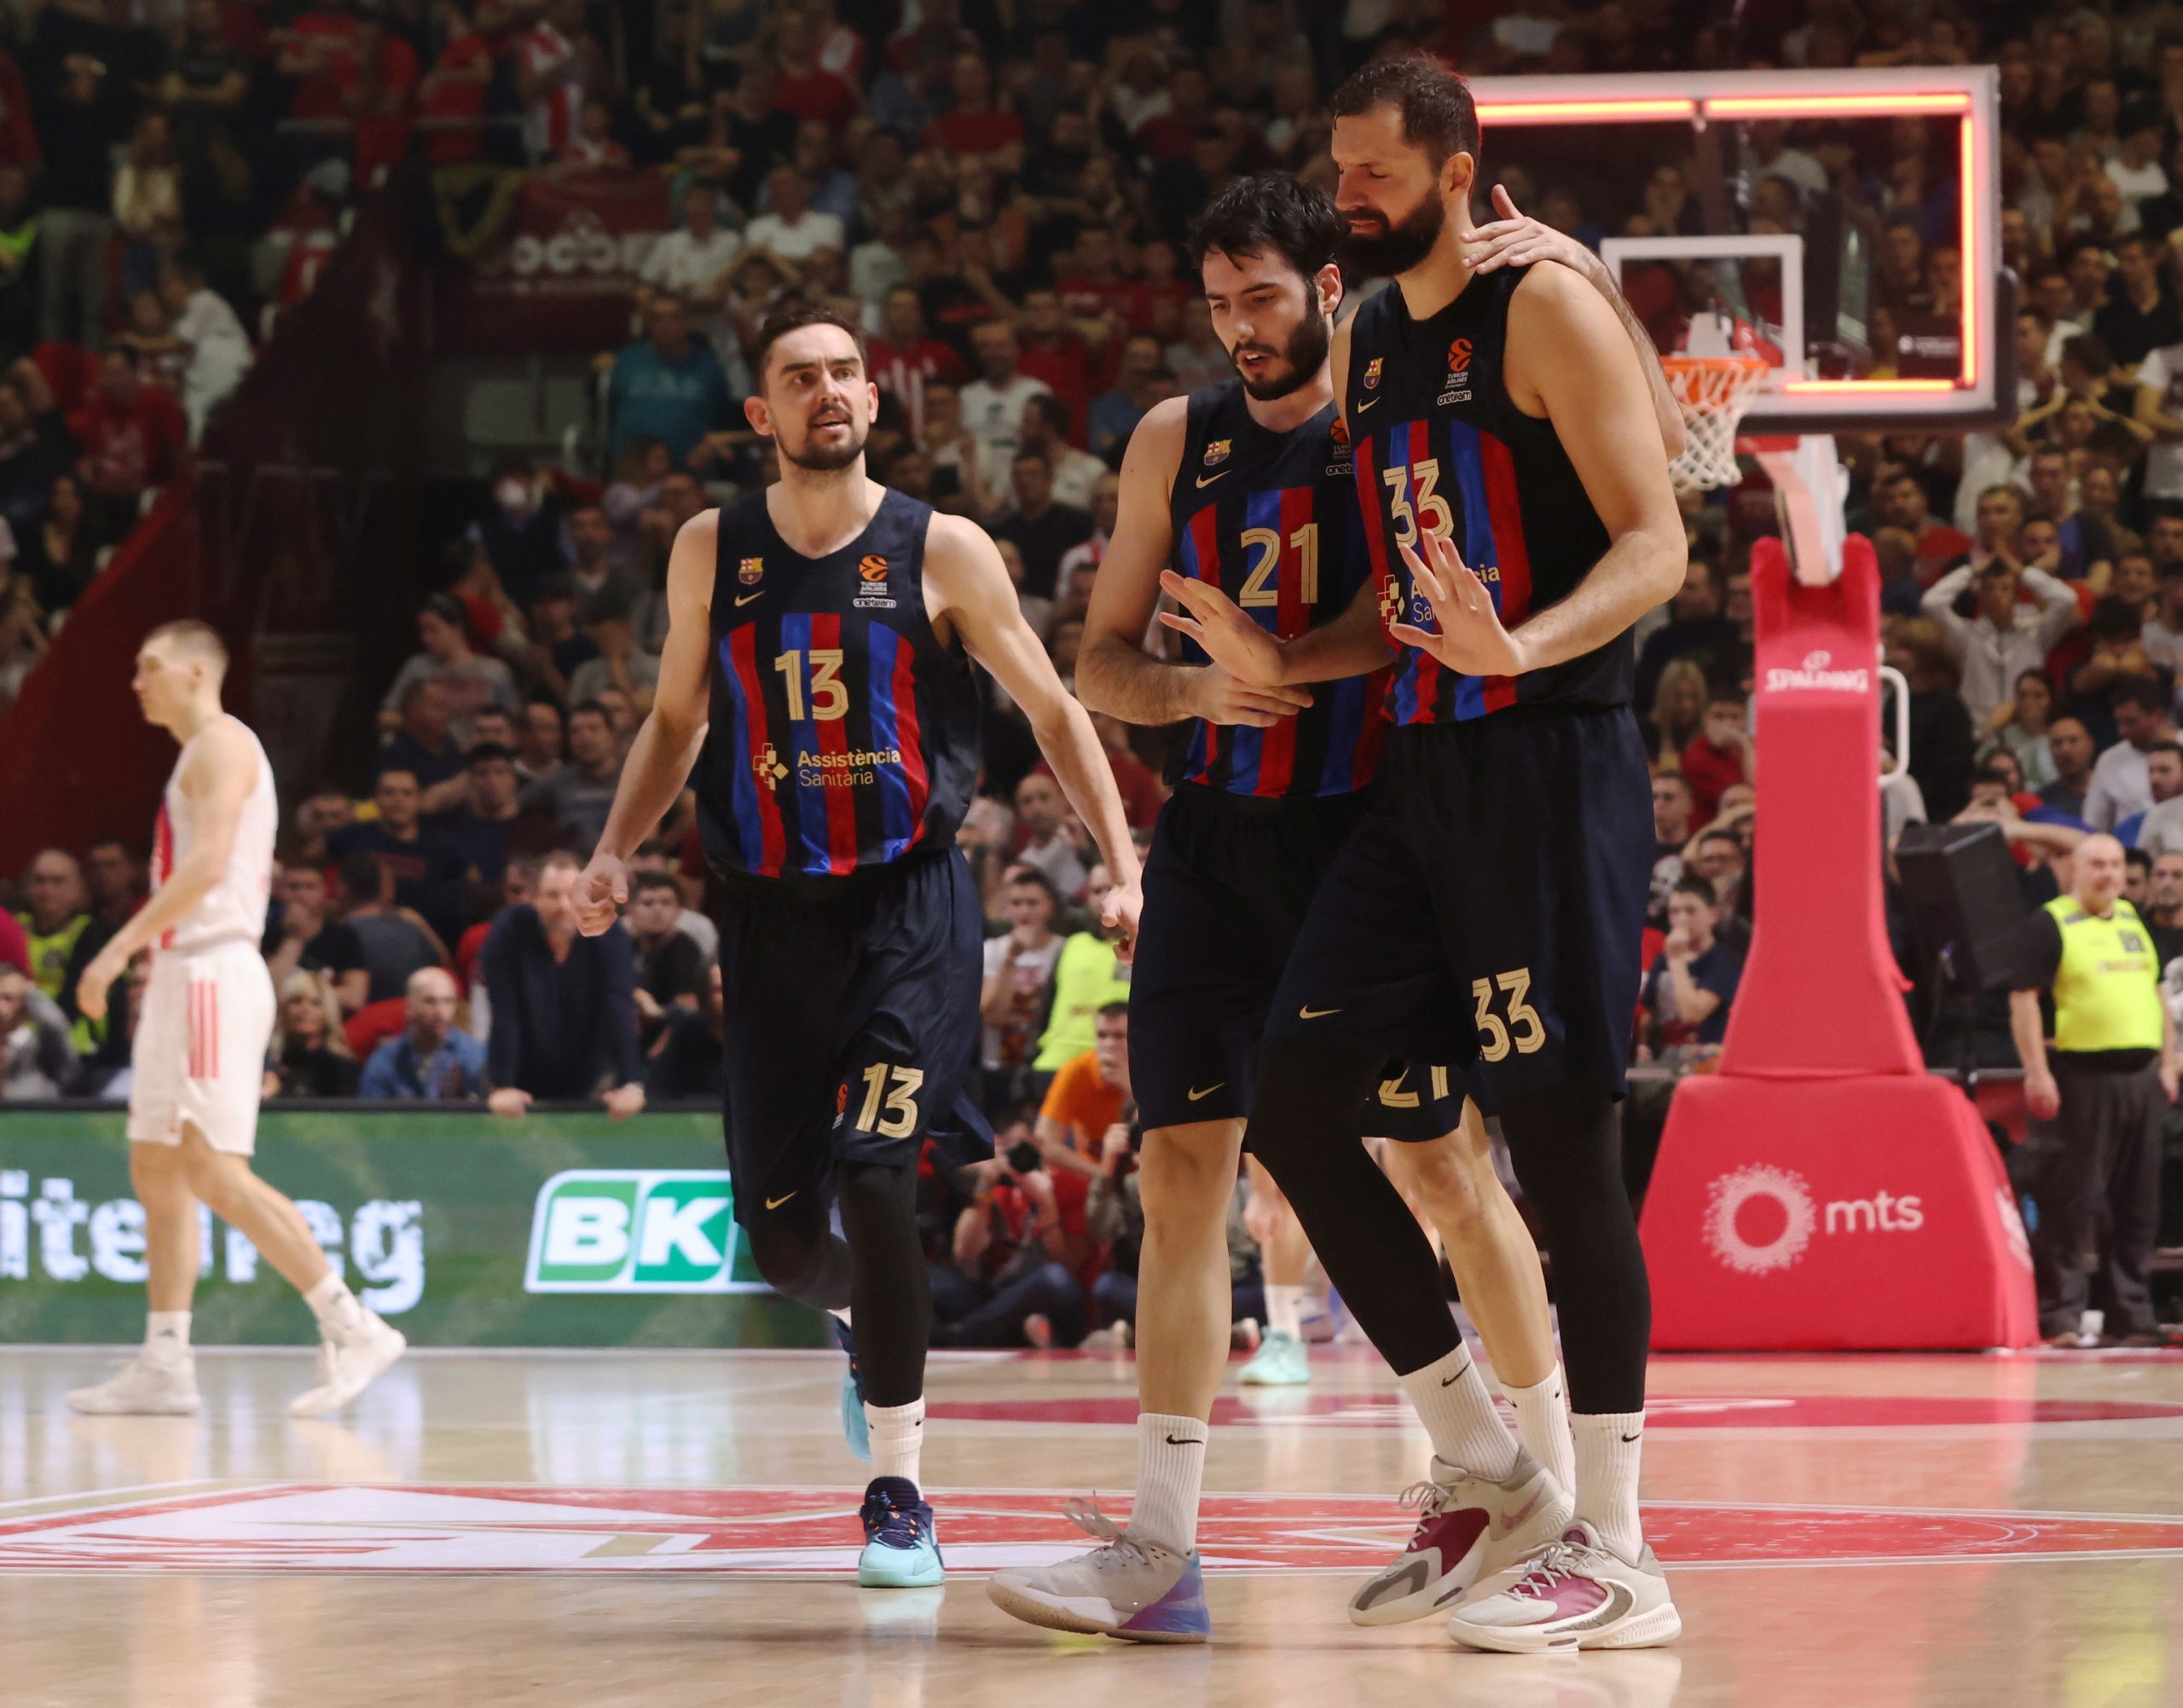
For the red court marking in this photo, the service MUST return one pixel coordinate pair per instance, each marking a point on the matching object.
(427, 1528)
(1671, 1411)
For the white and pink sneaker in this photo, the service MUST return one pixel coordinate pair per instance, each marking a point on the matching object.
(1576, 1593)
(1467, 1530)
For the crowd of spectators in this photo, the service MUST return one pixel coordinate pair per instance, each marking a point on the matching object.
(997, 195)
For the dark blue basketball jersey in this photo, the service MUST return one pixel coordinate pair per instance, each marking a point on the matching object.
(1441, 447)
(1271, 520)
(843, 733)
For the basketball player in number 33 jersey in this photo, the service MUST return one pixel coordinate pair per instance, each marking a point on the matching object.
(198, 1062)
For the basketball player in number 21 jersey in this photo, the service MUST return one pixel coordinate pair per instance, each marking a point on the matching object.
(1519, 519)
(817, 677)
(1246, 487)
(198, 1060)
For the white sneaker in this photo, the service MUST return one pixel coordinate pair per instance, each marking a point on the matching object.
(1576, 1593)
(142, 1388)
(348, 1364)
(1129, 1587)
(1467, 1530)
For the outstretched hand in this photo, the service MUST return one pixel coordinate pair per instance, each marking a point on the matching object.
(600, 892)
(1246, 651)
(1471, 639)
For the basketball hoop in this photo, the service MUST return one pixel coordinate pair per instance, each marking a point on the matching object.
(1713, 391)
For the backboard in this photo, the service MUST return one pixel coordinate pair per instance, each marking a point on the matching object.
(1844, 225)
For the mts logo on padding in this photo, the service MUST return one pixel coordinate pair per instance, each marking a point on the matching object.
(637, 1230)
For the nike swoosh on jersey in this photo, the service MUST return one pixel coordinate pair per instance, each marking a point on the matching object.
(1307, 1012)
(1205, 480)
(1197, 1096)
(1365, 404)
(775, 1203)
(743, 598)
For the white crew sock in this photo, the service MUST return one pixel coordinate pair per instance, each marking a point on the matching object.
(897, 1434)
(166, 1337)
(1284, 1311)
(841, 1316)
(1169, 1472)
(336, 1308)
(1543, 1424)
(1458, 1414)
(1608, 1446)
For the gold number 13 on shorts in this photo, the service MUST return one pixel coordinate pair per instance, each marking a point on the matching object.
(1494, 1037)
(900, 1104)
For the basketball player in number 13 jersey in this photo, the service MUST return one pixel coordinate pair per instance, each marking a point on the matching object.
(198, 1060)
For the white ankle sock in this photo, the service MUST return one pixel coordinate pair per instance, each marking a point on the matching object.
(1608, 1446)
(166, 1336)
(1543, 1424)
(841, 1316)
(897, 1434)
(336, 1307)
(1284, 1311)
(1169, 1472)
(1458, 1414)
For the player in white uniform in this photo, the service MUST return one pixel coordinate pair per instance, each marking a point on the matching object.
(199, 1058)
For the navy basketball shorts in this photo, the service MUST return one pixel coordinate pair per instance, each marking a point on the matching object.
(1227, 885)
(1489, 912)
(852, 1024)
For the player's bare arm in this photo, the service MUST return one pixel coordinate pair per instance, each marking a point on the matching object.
(667, 742)
(1569, 361)
(218, 780)
(1114, 672)
(1516, 240)
(964, 569)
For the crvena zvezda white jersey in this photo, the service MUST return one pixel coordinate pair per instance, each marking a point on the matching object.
(233, 909)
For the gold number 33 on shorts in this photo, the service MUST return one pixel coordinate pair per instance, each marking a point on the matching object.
(1495, 1036)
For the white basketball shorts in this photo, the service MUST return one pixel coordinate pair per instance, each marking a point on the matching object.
(200, 1051)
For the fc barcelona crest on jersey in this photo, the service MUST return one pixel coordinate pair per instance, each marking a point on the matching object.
(1372, 374)
(1216, 452)
(751, 568)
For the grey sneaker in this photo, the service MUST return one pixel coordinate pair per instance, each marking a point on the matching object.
(1467, 1529)
(349, 1364)
(141, 1388)
(1128, 1587)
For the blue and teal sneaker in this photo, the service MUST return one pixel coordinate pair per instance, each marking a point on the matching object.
(1129, 1587)
(854, 1430)
(901, 1549)
(1280, 1362)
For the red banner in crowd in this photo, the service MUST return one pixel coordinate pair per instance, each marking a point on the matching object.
(558, 280)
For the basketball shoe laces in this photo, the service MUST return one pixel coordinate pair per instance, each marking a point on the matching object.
(1120, 1551)
(1433, 1502)
(1559, 1562)
(897, 1524)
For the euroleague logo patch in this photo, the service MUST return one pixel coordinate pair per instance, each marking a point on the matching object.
(873, 594)
(1458, 360)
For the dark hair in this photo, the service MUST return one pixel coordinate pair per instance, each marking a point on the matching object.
(2136, 857)
(2174, 747)
(1269, 213)
(362, 878)
(2112, 620)
(1031, 874)
(1700, 887)
(593, 707)
(2135, 691)
(2087, 352)
(794, 318)
(653, 880)
(2032, 675)
(1720, 836)
(1437, 115)
(1032, 453)
(449, 609)
(1053, 408)
(1108, 1010)
(486, 751)
(1991, 772)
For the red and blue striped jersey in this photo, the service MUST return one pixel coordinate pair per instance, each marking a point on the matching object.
(1271, 520)
(1442, 448)
(844, 735)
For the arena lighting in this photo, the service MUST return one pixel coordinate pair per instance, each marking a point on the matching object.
(1971, 188)
(1867, 387)
(1605, 110)
(1833, 106)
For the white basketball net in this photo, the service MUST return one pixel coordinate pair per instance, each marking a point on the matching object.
(1713, 392)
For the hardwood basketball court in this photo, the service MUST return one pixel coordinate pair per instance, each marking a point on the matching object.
(670, 1528)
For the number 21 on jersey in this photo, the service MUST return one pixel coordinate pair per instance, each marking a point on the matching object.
(1261, 585)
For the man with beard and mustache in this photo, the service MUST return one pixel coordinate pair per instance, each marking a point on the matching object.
(817, 679)
(1488, 912)
(1246, 486)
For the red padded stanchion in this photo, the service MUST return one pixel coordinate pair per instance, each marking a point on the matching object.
(1822, 1191)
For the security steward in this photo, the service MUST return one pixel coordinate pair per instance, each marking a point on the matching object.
(2106, 1078)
